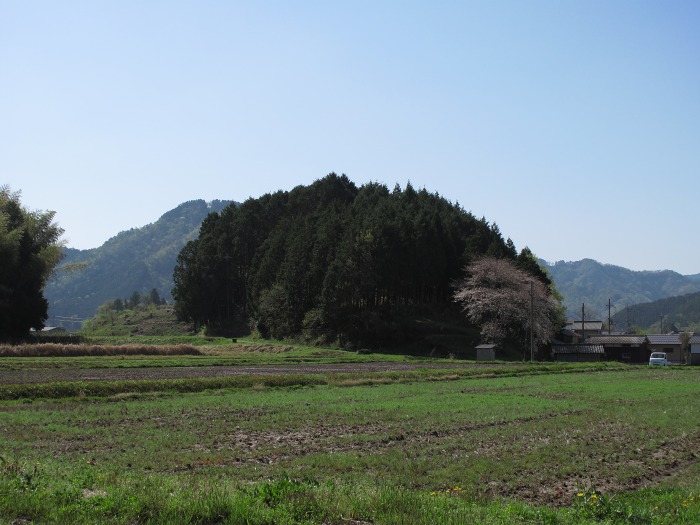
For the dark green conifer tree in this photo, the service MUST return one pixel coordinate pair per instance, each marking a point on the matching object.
(330, 261)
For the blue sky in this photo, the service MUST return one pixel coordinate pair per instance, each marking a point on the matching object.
(574, 126)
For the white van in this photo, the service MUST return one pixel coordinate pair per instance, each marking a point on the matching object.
(658, 359)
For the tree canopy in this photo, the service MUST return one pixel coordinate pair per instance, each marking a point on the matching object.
(330, 262)
(29, 251)
(510, 299)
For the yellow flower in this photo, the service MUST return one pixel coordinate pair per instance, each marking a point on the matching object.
(580, 494)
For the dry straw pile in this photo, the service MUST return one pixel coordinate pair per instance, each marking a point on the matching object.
(78, 350)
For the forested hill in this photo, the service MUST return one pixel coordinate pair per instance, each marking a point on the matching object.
(593, 284)
(136, 260)
(663, 315)
(333, 262)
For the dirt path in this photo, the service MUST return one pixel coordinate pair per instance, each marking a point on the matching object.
(136, 374)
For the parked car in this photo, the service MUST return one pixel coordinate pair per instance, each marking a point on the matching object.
(658, 359)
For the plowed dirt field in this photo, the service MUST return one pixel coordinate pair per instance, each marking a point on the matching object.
(126, 374)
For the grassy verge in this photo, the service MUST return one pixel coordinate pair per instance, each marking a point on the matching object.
(289, 500)
(158, 340)
(550, 446)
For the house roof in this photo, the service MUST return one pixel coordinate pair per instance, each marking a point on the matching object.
(486, 346)
(695, 339)
(617, 339)
(563, 348)
(664, 339)
(587, 325)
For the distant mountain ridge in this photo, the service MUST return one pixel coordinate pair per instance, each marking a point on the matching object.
(590, 283)
(139, 260)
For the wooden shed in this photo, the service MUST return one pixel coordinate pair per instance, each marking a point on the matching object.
(486, 352)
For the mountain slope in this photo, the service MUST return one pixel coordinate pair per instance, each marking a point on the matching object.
(681, 312)
(136, 260)
(593, 284)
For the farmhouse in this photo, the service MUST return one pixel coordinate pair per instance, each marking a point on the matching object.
(695, 350)
(669, 343)
(581, 330)
(624, 348)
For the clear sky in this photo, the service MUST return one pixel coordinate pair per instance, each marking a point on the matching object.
(573, 125)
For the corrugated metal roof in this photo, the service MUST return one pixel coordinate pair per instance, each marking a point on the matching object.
(617, 339)
(577, 349)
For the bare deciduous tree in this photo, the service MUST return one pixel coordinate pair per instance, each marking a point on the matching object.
(501, 299)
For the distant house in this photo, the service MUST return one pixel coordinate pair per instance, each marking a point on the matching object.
(486, 352)
(49, 330)
(695, 350)
(577, 352)
(624, 348)
(669, 343)
(583, 329)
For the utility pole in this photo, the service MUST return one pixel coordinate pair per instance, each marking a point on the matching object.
(532, 315)
(583, 322)
(609, 320)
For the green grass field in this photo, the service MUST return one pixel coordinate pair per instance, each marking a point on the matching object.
(116, 352)
(519, 444)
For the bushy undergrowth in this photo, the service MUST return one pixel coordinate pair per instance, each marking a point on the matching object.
(139, 321)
